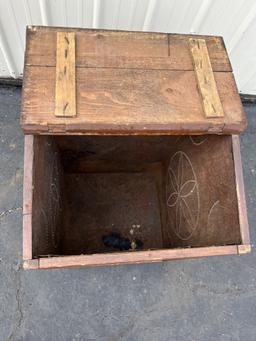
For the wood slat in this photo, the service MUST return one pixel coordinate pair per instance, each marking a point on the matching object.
(28, 196)
(205, 78)
(241, 199)
(135, 257)
(129, 102)
(46, 196)
(123, 49)
(65, 86)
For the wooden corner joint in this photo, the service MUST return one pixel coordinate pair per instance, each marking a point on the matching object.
(31, 264)
(65, 85)
(242, 249)
(205, 78)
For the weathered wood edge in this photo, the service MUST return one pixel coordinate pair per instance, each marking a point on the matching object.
(28, 196)
(34, 28)
(242, 209)
(197, 128)
(134, 257)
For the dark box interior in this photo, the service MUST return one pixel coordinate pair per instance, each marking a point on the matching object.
(165, 191)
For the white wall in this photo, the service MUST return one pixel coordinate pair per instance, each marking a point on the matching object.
(235, 20)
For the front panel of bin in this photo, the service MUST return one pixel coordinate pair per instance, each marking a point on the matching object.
(113, 171)
(79, 81)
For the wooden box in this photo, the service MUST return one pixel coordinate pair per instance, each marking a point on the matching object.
(131, 149)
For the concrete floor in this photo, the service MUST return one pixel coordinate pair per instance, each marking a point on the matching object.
(204, 299)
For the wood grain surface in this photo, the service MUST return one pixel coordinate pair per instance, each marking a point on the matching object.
(130, 101)
(135, 257)
(127, 83)
(201, 197)
(165, 183)
(47, 197)
(65, 84)
(205, 78)
(123, 49)
(241, 199)
(28, 195)
(98, 204)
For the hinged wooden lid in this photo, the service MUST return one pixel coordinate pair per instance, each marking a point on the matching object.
(79, 81)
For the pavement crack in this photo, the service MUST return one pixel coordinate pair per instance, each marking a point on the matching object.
(10, 211)
(19, 311)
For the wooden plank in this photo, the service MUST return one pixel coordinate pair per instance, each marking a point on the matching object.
(206, 82)
(210, 212)
(28, 196)
(46, 213)
(109, 196)
(123, 49)
(65, 87)
(242, 208)
(110, 101)
(135, 257)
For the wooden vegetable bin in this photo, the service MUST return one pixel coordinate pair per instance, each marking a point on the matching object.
(131, 149)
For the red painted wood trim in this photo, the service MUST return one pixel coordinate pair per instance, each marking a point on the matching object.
(135, 257)
(242, 209)
(28, 196)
